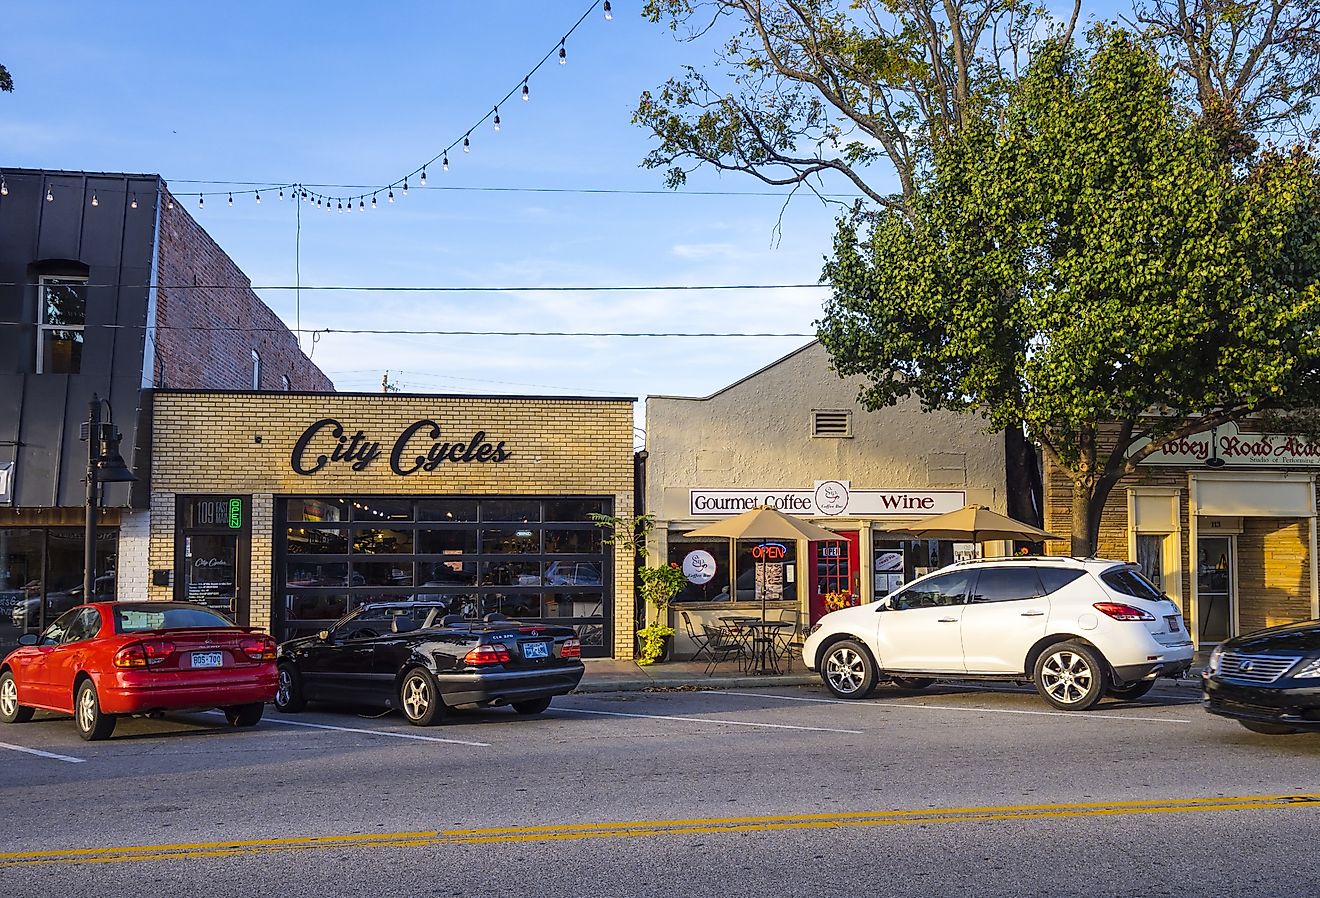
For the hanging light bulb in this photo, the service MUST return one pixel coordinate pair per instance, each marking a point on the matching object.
(373, 201)
(467, 147)
(281, 193)
(497, 118)
(170, 204)
(362, 206)
(391, 196)
(445, 163)
(231, 199)
(609, 13)
(50, 197)
(526, 95)
(258, 197)
(423, 175)
(201, 201)
(341, 206)
(405, 186)
(563, 53)
(95, 201)
(4, 188)
(133, 204)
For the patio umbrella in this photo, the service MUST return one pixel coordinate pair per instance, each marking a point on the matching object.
(974, 523)
(762, 523)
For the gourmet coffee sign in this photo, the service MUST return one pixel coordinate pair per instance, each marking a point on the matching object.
(422, 446)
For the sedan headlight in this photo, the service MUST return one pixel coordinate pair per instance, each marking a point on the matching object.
(1212, 666)
(1309, 671)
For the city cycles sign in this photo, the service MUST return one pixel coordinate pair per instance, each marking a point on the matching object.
(420, 447)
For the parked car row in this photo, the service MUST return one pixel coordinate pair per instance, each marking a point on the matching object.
(105, 660)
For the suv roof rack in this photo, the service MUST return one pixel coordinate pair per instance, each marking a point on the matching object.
(1002, 558)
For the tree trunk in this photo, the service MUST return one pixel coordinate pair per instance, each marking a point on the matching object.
(1088, 503)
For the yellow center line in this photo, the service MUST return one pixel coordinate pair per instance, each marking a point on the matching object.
(643, 829)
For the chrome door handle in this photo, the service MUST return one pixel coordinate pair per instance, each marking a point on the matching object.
(948, 620)
(1033, 614)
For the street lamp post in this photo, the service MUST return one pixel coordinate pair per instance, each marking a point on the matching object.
(104, 465)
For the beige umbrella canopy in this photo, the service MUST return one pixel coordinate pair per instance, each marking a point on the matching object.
(763, 522)
(974, 523)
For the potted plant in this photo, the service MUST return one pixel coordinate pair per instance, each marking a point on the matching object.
(657, 586)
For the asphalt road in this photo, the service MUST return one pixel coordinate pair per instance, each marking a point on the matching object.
(954, 790)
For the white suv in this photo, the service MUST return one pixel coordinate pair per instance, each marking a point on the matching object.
(1078, 628)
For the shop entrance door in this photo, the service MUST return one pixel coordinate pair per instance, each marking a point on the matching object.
(1215, 592)
(212, 563)
(833, 569)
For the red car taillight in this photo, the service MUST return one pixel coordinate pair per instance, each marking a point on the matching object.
(487, 654)
(151, 653)
(131, 655)
(258, 648)
(1120, 611)
(572, 649)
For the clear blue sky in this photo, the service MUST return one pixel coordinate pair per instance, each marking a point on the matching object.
(349, 93)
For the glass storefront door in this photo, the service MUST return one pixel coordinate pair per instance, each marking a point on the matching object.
(212, 554)
(834, 569)
(1215, 579)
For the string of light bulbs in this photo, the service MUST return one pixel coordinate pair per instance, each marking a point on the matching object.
(299, 191)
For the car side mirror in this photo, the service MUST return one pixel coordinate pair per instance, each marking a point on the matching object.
(324, 636)
(29, 639)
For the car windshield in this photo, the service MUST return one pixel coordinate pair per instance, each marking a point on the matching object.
(1131, 583)
(163, 616)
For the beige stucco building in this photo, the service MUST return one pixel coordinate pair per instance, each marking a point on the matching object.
(793, 435)
(287, 510)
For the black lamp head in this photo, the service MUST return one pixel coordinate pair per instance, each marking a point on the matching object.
(111, 467)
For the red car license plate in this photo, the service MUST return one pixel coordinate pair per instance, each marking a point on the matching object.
(208, 659)
(1173, 623)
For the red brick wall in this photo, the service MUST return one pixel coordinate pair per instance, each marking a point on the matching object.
(205, 337)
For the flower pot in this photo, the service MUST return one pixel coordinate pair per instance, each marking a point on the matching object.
(666, 652)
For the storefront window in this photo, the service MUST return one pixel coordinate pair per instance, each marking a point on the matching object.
(765, 571)
(896, 561)
(475, 555)
(705, 563)
(41, 576)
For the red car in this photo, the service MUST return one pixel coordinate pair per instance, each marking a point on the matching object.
(105, 659)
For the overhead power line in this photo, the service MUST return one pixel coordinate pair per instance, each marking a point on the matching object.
(384, 288)
(423, 333)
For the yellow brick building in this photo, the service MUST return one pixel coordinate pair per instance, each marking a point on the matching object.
(1225, 522)
(291, 509)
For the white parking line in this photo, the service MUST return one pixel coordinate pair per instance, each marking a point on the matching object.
(323, 726)
(737, 723)
(887, 705)
(42, 754)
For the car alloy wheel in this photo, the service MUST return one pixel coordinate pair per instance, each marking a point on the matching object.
(91, 722)
(419, 698)
(1070, 676)
(288, 694)
(847, 670)
(10, 710)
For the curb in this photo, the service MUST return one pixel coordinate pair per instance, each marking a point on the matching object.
(693, 683)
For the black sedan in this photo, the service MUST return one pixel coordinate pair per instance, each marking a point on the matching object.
(420, 659)
(1267, 681)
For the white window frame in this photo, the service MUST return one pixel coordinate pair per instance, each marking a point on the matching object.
(42, 326)
(256, 370)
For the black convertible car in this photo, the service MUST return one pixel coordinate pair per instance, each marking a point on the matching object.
(1268, 681)
(420, 659)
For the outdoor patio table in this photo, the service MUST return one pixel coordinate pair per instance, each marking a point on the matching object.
(765, 642)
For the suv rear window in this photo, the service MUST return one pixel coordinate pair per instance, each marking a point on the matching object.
(1131, 583)
(1056, 578)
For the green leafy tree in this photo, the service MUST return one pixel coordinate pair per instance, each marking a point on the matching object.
(6, 80)
(1089, 263)
(819, 86)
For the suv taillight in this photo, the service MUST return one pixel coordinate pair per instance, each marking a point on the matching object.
(495, 653)
(572, 649)
(258, 648)
(1120, 611)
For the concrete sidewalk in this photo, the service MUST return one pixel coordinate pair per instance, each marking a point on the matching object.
(610, 675)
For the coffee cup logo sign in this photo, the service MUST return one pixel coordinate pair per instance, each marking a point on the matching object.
(699, 567)
(832, 497)
(422, 446)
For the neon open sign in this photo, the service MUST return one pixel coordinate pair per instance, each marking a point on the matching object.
(769, 552)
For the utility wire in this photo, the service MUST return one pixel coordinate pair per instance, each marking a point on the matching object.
(401, 289)
(317, 332)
